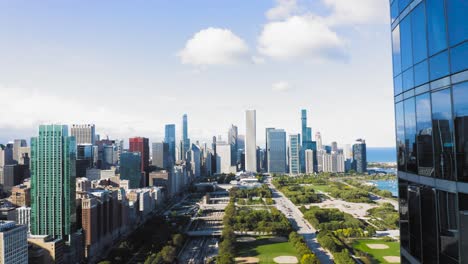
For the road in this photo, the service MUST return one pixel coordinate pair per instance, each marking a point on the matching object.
(302, 226)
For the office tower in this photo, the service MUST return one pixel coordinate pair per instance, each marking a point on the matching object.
(141, 144)
(223, 158)
(84, 133)
(53, 155)
(309, 161)
(266, 147)
(17, 147)
(276, 152)
(214, 160)
(6, 154)
(13, 243)
(360, 156)
(294, 149)
(334, 146)
(318, 139)
(306, 131)
(260, 158)
(23, 216)
(170, 139)
(130, 169)
(12, 175)
(233, 142)
(185, 144)
(250, 141)
(348, 151)
(20, 195)
(161, 156)
(430, 63)
(195, 160)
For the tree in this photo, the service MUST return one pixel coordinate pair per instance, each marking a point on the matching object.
(177, 240)
(309, 259)
(168, 253)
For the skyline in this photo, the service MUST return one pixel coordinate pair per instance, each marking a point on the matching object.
(132, 68)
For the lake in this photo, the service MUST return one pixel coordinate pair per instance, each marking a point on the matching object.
(387, 185)
(381, 154)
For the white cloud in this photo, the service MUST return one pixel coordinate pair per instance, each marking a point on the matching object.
(258, 60)
(281, 86)
(214, 46)
(345, 12)
(283, 9)
(306, 37)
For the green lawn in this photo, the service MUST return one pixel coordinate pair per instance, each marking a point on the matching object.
(265, 249)
(378, 254)
(322, 188)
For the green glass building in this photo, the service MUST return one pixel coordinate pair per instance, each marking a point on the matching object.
(53, 155)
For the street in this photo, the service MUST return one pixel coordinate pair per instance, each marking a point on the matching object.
(302, 226)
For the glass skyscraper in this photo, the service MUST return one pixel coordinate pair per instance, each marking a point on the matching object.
(276, 156)
(294, 149)
(170, 139)
(430, 73)
(53, 156)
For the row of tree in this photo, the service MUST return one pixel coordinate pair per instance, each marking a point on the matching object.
(306, 255)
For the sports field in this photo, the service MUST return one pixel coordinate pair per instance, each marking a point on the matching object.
(266, 249)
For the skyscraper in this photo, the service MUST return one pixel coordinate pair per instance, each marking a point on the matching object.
(276, 152)
(185, 146)
(306, 131)
(160, 152)
(360, 156)
(17, 146)
(223, 157)
(130, 169)
(294, 149)
(141, 145)
(13, 243)
(309, 161)
(318, 139)
(233, 133)
(84, 133)
(170, 139)
(250, 141)
(53, 155)
(430, 63)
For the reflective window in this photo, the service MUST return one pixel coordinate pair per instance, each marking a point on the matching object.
(398, 84)
(448, 227)
(424, 135)
(463, 207)
(429, 224)
(403, 206)
(406, 43)
(460, 105)
(436, 28)
(394, 10)
(439, 66)
(403, 4)
(414, 211)
(458, 56)
(418, 19)
(408, 79)
(442, 130)
(421, 73)
(400, 135)
(410, 135)
(396, 51)
(457, 21)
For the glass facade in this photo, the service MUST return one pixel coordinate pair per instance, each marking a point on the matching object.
(276, 151)
(430, 71)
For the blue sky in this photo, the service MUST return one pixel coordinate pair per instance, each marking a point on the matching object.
(132, 66)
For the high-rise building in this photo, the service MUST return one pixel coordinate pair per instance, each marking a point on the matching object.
(130, 169)
(223, 157)
(276, 152)
(84, 133)
(294, 149)
(170, 139)
(233, 133)
(360, 156)
(53, 155)
(348, 151)
(161, 156)
(306, 131)
(185, 144)
(141, 145)
(13, 243)
(195, 160)
(6, 154)
(309, 161)
(334, 146)
(17, 146)
(23, 216)
(318, 139)
(430, 63)
(250, 141)
(265, 161)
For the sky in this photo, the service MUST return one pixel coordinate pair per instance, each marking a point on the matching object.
(130, 67)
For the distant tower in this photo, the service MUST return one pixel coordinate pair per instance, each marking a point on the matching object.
(277, 154)
(294, 149)
(185, 140)
(250, 141)
(233, 133)
(170, 139)
(360, 156)
(84, 133)
(318, 139)
(141, 145)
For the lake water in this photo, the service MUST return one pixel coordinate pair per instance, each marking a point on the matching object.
(381, 154)
(388, 185)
